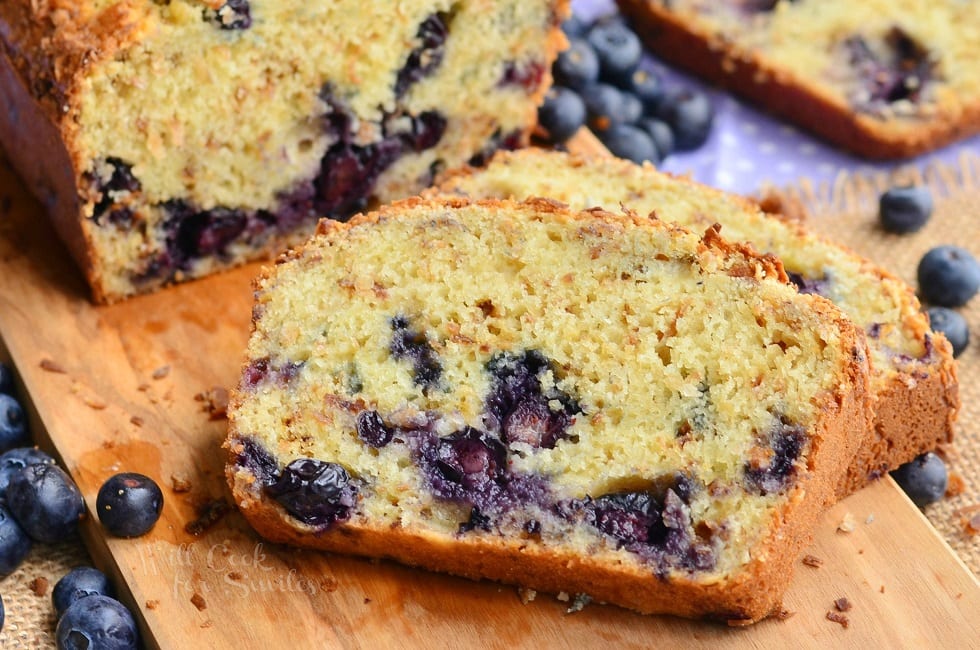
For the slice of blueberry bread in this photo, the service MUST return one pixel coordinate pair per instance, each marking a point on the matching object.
(913, 372)
(883, 79)
(172, 139)
(579, 402)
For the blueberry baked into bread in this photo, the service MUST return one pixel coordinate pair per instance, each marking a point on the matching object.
(913, 372)
(580, 402)
(883, 79)
(172, 139)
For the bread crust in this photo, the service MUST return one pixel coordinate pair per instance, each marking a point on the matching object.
(747, 597)
(756, 79)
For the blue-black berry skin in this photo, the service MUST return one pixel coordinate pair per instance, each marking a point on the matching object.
(576, 67)
(923, 479)
(6, 379)
(129, 504)
(953, 325)
(562, 114)
(648, 88)
(45, 502)
(13, 424)
(604, 106)
(948, 276)
(631, 143)
(618, 49)
(575, 27)
(903, 210)
(80, 582)
(3, 614)
(14, 543)
(690, 115)
(97, 622)
(661, 134)
(14, 460)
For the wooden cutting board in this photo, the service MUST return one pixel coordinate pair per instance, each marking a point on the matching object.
(114, 390)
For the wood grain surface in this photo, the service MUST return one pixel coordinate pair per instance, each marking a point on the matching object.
(114, 388)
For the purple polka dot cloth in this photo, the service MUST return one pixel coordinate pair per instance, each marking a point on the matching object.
(749, 149)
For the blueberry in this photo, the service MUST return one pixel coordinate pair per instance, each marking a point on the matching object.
(661, 135)
(372, 430)
(604, 106)
(631, 110)
(45, 502)
(97, 622)
(575, 27)
(905, 209)
(562, 114)
(952, 325)
(617, 48)
(786, 441)
(629, 142)
(648, 88)
(80, 582)
(412, 345)
(689, 114)
(948, 276)
(577, 66)
(232, 15)
(14, 543)
(3, 614)
(424, 59)
(923, 479)
(6, 379)
(14, 460)
(315, 492)
(129, 504)
(13, 423)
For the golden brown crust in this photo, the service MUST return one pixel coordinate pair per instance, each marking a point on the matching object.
(754, 78)
(749, 596)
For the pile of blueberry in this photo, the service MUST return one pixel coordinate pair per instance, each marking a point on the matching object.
(39, 502)
(599, 82)
(948, 276)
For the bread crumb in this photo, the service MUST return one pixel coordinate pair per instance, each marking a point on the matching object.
(367, 600)
(562, 596)
(870, 519)
(179, 484)
(199, 602)
(215, 402)
(136, 420)
(209, 514)
(842, 604)
(579, 603)
(526, 595)
(812, 561)
(783, 614)
(143, 387)
(847, 524)
(235, 575)
(161, 372)
(52, 366)
(882, 590)
(39, 586)
(94, 403)
(206, 624)
(839, 618)
(955, 485)
(152, 604)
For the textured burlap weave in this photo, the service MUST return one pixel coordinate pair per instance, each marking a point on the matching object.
(846, 210)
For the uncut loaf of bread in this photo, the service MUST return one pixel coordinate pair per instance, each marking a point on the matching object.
(881, 78)
(172, 139)
(913, 372)
(579, 402)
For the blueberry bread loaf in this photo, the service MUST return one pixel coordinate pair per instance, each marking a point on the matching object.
(579, 402)
(883, 79)
(913, 373)
(172, 139)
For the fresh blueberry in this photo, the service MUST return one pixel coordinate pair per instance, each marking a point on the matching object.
(632, 109)
(577, 66)
(923, 479)
(6, 379)
(14, 543)
(78, 583)
(617, 48)
(603, 105)
(13, 423)
(575, 27)
(948, 276)
(661, 134)
(15, 460)
(97, 622)
(45, 502)
(905, 209)
(629, 142)
(952, 325)
(562, 114)
(648, 88)
(129, 504)
(689, 114)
